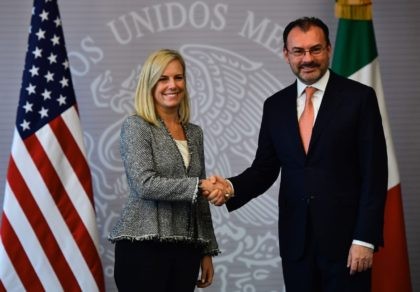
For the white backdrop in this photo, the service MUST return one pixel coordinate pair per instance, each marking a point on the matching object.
(233, 54)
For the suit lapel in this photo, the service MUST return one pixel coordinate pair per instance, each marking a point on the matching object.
(290, 112)
(329, 104)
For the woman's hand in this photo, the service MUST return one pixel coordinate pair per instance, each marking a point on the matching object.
(216, 190)
(207, 272)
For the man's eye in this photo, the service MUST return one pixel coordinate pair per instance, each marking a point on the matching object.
(316, 51)
(298, 52)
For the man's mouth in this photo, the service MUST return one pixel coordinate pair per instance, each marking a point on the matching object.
(308, 67)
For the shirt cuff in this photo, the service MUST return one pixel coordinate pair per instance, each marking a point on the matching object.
(362, 243)
(231, 186)
(196, 191)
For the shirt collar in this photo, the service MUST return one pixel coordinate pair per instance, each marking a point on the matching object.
(321, 84)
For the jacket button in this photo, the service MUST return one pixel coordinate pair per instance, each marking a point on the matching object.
(309, 198)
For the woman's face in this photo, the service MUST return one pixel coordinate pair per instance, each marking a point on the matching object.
(170, 89)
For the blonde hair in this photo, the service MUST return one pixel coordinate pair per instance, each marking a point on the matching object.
(152, 70)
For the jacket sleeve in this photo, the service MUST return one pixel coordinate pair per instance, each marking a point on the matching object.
(374, 172)
(263, 171)
(137, 154)
(203, 206)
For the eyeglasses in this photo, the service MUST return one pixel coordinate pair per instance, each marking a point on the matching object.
(315, 51)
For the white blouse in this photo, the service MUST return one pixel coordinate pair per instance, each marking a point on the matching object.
(183, 148)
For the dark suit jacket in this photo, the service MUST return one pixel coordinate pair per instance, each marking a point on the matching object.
(340, 185)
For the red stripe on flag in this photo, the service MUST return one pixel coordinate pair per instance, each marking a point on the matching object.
(67, 181)
(73, 154)
(392, 260)
(19, 259)
(68, 211)
(41, 228)
(2, 289)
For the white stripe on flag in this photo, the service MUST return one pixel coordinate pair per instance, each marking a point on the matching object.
(52, 214)
(8, 275)
(371, 76)
(30, 243)
(69, 179)
(71, 118)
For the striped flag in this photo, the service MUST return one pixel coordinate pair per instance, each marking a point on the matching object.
(356, 57)
(48, 233)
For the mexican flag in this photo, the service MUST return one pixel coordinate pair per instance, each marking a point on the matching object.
(356, 57)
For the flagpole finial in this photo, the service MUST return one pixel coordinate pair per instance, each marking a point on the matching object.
(354, 9)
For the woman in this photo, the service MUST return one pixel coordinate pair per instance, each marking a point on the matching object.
(165, 233)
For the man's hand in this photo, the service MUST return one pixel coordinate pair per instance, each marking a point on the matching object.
(216, 190)
(360, 258)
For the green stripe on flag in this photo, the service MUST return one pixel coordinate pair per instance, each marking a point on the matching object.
(355, 46)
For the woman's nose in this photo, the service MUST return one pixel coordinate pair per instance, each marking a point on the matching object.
(171, 83)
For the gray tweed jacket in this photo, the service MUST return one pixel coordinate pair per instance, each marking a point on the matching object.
(163, 202)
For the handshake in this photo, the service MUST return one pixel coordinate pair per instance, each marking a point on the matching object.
(216, 189)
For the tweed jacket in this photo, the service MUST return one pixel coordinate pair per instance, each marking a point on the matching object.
(163, 202)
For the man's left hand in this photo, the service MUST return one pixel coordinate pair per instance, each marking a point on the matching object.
(360, 258)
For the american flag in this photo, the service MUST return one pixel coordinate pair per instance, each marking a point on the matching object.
(48, 233)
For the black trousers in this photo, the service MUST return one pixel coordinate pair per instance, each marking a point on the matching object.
(154, 266)
(315, 272)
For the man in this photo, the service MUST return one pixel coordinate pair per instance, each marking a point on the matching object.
(333, 176)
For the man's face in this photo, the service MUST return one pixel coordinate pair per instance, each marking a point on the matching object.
(307, 54)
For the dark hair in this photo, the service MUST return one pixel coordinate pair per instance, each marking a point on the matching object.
(305, 23)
